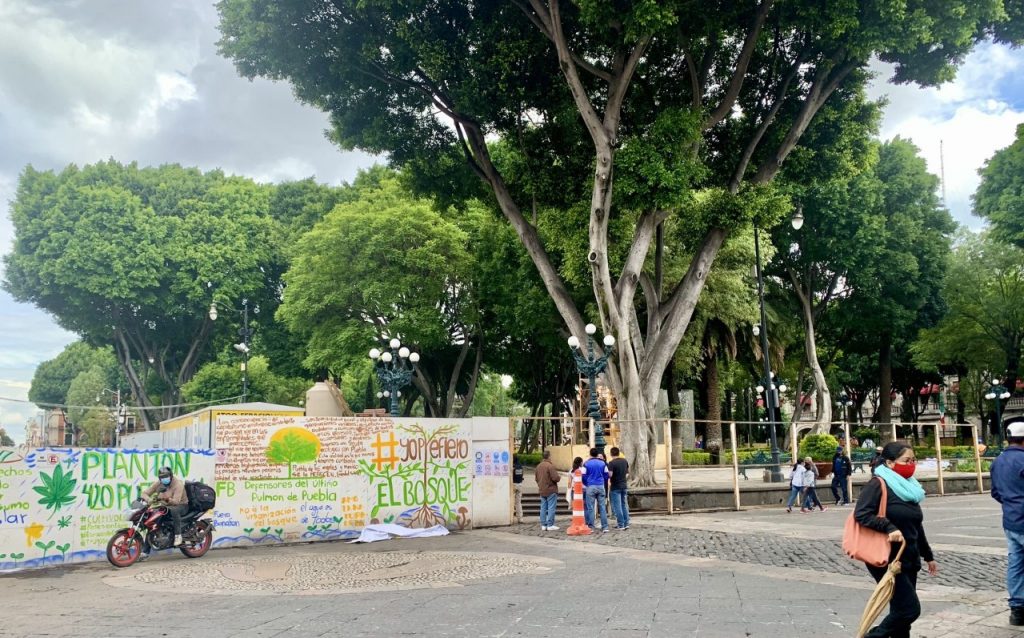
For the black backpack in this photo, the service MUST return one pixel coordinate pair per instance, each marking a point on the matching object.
(201, 497)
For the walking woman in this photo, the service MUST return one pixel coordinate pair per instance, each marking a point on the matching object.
(796, 485)
(810, 494)
(903, 522)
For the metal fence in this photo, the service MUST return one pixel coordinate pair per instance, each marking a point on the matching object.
(745, 455)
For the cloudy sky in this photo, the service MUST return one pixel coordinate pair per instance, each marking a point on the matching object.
(86, 80)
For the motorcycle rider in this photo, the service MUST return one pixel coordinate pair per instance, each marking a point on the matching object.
(170, 490)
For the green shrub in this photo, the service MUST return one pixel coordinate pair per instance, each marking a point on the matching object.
(532, 459)
(820, 447)
(866, 433)
(969, 466)
(696, 458)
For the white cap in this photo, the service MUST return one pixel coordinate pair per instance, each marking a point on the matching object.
(1015, 430)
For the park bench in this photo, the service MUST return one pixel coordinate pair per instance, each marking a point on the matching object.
(861, 458)
(762, 459)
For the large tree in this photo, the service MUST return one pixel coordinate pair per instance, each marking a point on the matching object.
(629, 93)
(387, 264)
(983, 329)
(1000, 196)
(53, 377)
(132, 258)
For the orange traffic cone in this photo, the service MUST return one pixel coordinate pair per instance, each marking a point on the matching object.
(579, 524)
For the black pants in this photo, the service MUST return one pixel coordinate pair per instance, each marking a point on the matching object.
(839, 484)
(176, 512)
(904, 608)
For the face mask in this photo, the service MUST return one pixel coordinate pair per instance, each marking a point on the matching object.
(166, 480)
(906, 470)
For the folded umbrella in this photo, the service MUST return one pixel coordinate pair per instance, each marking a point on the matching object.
(882, 595)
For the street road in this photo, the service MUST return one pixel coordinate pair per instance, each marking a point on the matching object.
(761, 573)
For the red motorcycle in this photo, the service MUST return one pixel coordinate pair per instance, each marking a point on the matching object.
(153, 528)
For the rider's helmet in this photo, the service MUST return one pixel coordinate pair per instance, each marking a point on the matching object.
(165, 475)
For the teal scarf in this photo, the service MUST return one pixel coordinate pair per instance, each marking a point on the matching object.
(907, 489)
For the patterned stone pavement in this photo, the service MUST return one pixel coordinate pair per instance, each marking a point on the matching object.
(329, 573)
(970, 571)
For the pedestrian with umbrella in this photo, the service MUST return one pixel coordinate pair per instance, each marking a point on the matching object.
(903, 523)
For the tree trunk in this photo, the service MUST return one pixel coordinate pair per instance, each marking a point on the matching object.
(712, 403)
(885, 385)
(823, 418)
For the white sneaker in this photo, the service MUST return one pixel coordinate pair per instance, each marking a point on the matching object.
(553, 528)
(543, 528)
(177, 540)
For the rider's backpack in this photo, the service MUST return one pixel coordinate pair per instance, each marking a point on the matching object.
(201, 497)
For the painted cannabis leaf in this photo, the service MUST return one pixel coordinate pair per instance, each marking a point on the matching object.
(56, 489)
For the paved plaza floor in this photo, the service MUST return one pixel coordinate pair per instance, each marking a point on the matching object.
(760, 573)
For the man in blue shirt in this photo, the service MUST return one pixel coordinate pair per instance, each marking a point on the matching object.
(1008, 488)
(595, 473)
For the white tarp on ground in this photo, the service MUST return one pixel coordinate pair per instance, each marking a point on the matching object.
(384, 531)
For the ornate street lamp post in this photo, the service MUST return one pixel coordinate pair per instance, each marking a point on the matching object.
(843, 404)
(591, 366)
(998, 393)
(243, 347)
(394, 370)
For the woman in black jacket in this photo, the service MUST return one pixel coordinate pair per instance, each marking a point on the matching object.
(902, 522)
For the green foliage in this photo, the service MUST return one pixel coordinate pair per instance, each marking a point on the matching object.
(386, 263)
(57, 489)
(221, 380)
(530, 459)
(984, 291)
(867, 433)
(52, 378)
(184, 228)
(1000, 196)
(820, 447)
(699, 458)
(95, 425)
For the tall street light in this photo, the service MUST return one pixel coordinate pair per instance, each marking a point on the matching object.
(243, 346)
(394, 370)
(844, 403)
(120, 411)
(997, 393)
(762, 330)
(591, 366)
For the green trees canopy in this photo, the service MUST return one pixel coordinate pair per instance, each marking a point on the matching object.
(132, 257)
(983, 330)
(219, 379)
(1000, 196)
(52, 378)
(386, 264)
(656, 97)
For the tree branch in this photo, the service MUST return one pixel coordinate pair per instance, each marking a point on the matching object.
(579, 92)
(544, 27)
(740, 72)
(755, 140)
(631, 269)
(820, 91)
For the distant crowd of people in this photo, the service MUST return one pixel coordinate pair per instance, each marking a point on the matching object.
(603, 483)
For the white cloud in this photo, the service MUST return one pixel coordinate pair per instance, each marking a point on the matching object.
(973, 117)
(86, 80)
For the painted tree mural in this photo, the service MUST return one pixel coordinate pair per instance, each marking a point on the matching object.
(289, 446)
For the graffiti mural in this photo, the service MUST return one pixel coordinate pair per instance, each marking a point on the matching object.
(278, 479)
(315, 478)
(62, 505)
